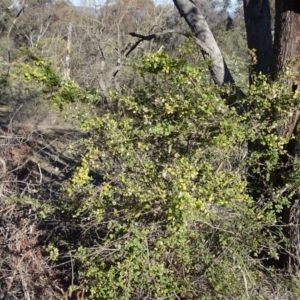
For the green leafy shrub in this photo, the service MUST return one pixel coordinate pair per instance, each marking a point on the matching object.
(173, 217)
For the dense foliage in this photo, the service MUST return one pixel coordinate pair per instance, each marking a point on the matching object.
(172, 215)
(158, 204)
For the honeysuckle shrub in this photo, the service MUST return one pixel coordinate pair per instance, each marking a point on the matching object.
(173, 217)
(170, 215)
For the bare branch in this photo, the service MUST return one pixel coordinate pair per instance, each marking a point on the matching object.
(134, 46)
(155, 35)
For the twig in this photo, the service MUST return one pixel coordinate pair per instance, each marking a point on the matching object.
(41, 174)
(2, 162)
(222, 162)
(245, 283)
(12, 118)
(24, 286)
(155, 35)
(80, 295)
(10, 29)
(72, 280)
(16, 268)
(100, 188)
(148, 255)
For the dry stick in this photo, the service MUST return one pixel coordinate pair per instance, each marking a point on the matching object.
(28, 159)
(80, 295)
(24, 286)
(42, 32)
(60, 290)
(7, 209)
(4, 169)
(41, 174)
(72, 280)
(176, 296)
(222, 162)
(12, 118)
(16, 269)
(245, 283)
(155, 35)
(102, 71)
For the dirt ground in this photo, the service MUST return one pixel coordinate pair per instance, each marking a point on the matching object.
(35, 158)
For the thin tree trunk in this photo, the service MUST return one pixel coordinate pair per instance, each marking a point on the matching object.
(205, 39)
(67, 65)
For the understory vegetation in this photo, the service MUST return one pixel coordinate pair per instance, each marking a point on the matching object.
(140, 189)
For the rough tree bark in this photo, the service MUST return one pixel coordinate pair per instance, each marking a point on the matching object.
(286, 48)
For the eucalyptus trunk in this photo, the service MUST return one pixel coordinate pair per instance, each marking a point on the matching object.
(287, 48)
(259, 37)
(205, 39)
(272, 63)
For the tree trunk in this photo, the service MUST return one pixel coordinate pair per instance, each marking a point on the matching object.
(286, 48)
(287, 34)
(206, 40)
(66, 64)
(259, 36)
